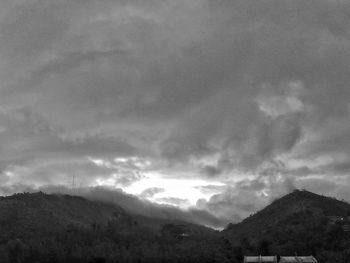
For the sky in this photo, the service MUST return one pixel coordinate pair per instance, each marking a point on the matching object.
(211, 109)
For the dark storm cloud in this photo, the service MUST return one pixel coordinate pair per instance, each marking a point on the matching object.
(39, 154)
(337, 167)
(210, 170)
(222, 87)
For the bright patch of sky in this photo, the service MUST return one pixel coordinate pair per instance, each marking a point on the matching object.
(174, 188)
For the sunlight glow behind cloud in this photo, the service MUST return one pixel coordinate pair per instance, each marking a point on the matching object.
(175, 188)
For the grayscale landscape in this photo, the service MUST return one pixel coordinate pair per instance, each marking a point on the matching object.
(174, 131)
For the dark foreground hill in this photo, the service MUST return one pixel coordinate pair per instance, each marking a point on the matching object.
(38, 227)
(60, 228)
(300, 222)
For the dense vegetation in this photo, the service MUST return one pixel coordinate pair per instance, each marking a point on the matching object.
(53, 228)
(300, 223)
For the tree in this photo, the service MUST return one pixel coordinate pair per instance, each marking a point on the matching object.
(264, 247)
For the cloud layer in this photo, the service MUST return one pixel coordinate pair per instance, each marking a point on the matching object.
(252, 94)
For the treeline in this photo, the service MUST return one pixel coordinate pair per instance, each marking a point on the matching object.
(303, 233)
(123, 239)
(120, 240)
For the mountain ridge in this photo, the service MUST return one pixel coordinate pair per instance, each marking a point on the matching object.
(300, 222)
(298, 201)
(64, 228)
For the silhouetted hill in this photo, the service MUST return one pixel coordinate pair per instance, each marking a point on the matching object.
(23, 215)
(300, 222)
(60, 228)
(27, 212)
(37, 227)
(282, 210)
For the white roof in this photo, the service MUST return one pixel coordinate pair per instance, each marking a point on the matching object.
(260, 259)
(309, 259)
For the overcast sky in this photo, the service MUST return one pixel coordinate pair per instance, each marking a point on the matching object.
(218, 106)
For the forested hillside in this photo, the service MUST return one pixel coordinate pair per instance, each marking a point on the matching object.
(300, 222)
(59, 228)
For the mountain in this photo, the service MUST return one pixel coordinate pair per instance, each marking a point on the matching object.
(25, 214)
(33, 210)
(300, 222)
(42, 228)
(286, 210)
(37, 227)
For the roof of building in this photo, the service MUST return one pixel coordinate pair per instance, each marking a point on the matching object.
(308, 259)
(260, 259)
